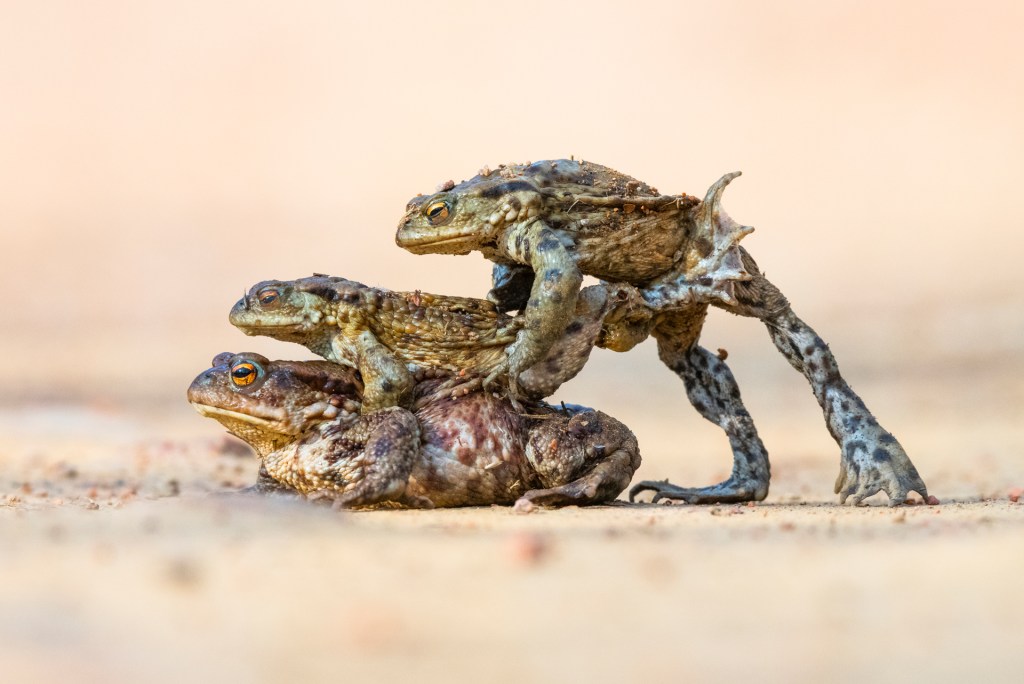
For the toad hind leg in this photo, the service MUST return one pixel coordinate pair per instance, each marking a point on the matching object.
(713, 391)
(602, 484)
(588, 458)
(871, 460)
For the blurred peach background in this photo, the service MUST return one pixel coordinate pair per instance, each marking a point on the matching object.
(158, 158)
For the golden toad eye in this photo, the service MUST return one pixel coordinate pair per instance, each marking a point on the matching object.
(268, 296)
(243, 374)
(437, 211)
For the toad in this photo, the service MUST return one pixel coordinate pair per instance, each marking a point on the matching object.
(547, 224)
(389, 336)
(302, 418)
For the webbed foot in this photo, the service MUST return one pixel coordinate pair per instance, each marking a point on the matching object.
(875, 462)
(713, 391)
(872, 460)
(733, 490)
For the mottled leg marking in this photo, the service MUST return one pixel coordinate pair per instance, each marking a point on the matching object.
(549, 310)
(612, 316)
(872, 460)
(587, 458)
(570, 352)
(713, 391)
(386, 378)
(370, 462)
(602, 484)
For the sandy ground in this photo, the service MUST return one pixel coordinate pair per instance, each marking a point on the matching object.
(158, 158)
(121, 563)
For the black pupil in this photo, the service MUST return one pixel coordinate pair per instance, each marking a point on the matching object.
(435, 210)
(242, 371)
(269, 297)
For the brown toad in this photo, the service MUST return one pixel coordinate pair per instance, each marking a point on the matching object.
(302, 418)
(547, 224)
(390, 335)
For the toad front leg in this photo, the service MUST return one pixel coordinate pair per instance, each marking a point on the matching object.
(386, 378)
(362, 465)
(872, 460)
(552, 300)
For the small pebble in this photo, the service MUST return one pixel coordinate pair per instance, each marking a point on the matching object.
(523, 506)
(528, 548)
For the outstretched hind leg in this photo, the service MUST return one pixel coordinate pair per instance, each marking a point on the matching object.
(713, 391)
(872, 460)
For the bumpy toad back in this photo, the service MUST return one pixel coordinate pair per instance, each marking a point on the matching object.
(563, 219)
(620, 228)
(546, 224)
(302, 419)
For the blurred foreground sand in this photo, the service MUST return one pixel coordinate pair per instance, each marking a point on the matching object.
(118, 565)
(158, 158)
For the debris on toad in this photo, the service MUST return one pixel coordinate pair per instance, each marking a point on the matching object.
(302, 419)
(546, 225)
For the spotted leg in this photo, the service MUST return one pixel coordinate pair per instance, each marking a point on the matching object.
(713, 391)
(386, 379)
(549, 308)
(872, 460)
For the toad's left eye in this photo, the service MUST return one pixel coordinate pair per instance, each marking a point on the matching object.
(269, 296)
(437, 211)
(243, 374)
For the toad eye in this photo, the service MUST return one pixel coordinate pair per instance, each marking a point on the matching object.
(243, 374)
(438, 211)
(269, 296)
